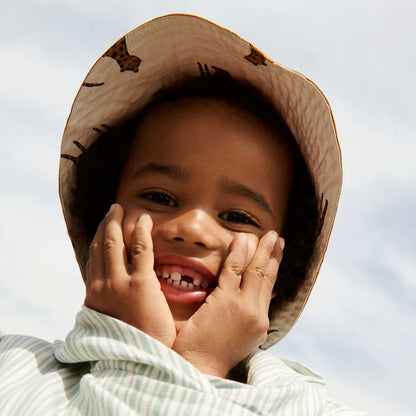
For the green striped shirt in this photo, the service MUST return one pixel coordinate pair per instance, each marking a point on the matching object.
(107, 367)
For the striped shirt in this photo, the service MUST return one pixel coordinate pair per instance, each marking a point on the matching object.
(107, 367)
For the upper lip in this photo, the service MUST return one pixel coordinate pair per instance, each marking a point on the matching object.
(186, 262)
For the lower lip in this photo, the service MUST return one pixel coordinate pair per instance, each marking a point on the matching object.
(184, 296)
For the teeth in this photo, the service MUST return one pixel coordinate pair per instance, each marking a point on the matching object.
(175, 276)
(175, 279)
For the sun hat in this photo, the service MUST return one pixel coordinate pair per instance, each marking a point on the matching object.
(158, 54)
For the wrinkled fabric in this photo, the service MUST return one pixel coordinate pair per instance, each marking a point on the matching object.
(107, 367)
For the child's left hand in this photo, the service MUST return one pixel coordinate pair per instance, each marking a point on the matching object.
(233, 321)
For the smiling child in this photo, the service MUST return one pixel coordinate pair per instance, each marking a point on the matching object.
(199, 182)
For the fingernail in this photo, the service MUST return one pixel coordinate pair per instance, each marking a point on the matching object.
(143, 217)
(282, 243)
(110, 210)
(274, 236)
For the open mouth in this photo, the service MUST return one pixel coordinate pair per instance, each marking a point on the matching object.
(182, 277)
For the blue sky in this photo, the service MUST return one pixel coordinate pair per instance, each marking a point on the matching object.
(359, 327)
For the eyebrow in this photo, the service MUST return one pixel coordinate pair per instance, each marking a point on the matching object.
(229, 186)
(237, 188)
(167, 170)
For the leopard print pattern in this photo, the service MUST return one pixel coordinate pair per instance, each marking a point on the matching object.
(126, 61)
(256, 57)
(76, 159)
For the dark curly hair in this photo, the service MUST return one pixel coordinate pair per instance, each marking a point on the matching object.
(99, 169)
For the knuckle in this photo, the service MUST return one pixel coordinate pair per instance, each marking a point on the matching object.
(96, 291)
(252, 317)
(263, 325)
(236, 269)
(93, 248)
(109, 244)
(258, 323)
(137, 283)
(138, 247)
(269, 279)
(257, 271)
(263, 338)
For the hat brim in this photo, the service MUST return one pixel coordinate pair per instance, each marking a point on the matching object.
(158, 54)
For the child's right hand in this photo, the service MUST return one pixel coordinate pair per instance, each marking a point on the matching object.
(130, 293)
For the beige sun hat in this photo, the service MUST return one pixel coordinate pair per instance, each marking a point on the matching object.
(158, 54)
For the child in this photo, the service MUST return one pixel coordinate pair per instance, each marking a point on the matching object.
(190, 162)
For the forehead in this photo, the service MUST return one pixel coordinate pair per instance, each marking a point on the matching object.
(198, 125)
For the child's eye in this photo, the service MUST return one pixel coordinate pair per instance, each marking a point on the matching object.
(238, 217)
(158, 197)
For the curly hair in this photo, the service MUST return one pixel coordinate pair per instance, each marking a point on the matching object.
(100, 167)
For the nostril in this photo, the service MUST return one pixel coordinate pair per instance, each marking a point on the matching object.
(198, 243)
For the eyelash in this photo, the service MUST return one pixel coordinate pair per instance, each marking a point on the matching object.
(243, 218)
(165, 199)
(159, 197)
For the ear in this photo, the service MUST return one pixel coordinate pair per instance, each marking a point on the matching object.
(274, 293)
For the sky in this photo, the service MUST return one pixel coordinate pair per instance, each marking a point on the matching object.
(359, 327)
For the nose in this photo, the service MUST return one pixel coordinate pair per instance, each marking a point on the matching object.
(194, 227)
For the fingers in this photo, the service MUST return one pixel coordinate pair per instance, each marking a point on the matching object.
(95, 265)
(107, 258)
(233, 268)
(260, 275)
(142, 256)
(113, 245)
(271, 275)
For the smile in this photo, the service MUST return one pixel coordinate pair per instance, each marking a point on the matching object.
(182, 277)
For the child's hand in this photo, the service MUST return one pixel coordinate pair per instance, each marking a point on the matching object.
(130, 293)
(233, 321)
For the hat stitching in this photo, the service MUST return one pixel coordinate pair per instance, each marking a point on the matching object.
(126, 61)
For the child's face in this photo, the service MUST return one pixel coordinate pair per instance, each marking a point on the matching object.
(204, 171)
